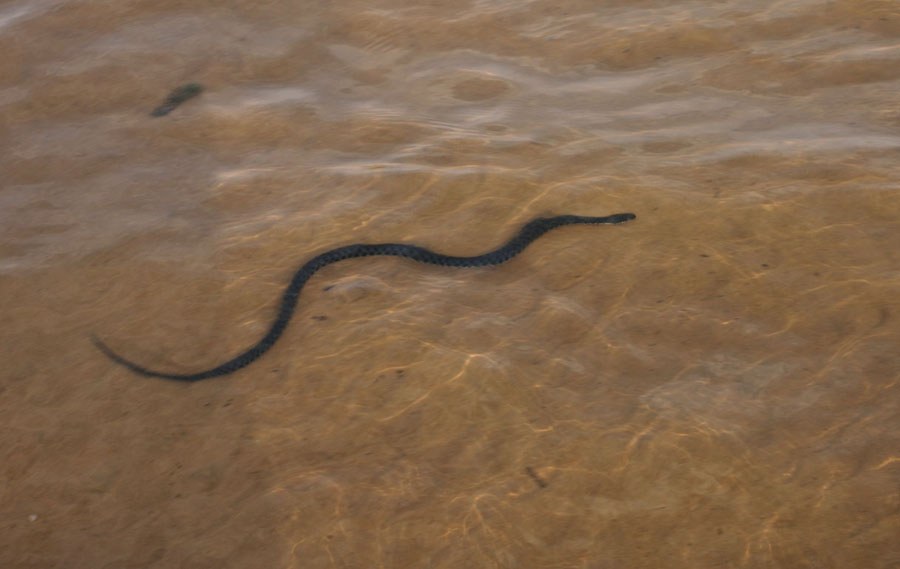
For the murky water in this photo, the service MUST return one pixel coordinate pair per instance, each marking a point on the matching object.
(712, 385)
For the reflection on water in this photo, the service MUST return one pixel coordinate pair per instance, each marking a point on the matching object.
(712, 385)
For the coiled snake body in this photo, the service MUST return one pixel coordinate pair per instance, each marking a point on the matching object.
(513, 247)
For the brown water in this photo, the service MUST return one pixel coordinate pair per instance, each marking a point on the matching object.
(716, 384)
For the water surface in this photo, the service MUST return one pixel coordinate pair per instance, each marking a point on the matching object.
(712, 385)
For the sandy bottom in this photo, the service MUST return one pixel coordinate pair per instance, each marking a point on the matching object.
(714, 384)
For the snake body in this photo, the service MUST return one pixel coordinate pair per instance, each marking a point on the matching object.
(531, 231)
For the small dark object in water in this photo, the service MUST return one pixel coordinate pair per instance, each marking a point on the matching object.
(513, 247)
(534, 476)
(176, 97)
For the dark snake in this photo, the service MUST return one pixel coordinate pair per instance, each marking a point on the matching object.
(531, 231)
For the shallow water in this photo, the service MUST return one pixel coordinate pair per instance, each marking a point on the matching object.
(712, 385)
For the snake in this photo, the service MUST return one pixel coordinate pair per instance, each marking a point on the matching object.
(529, 232)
